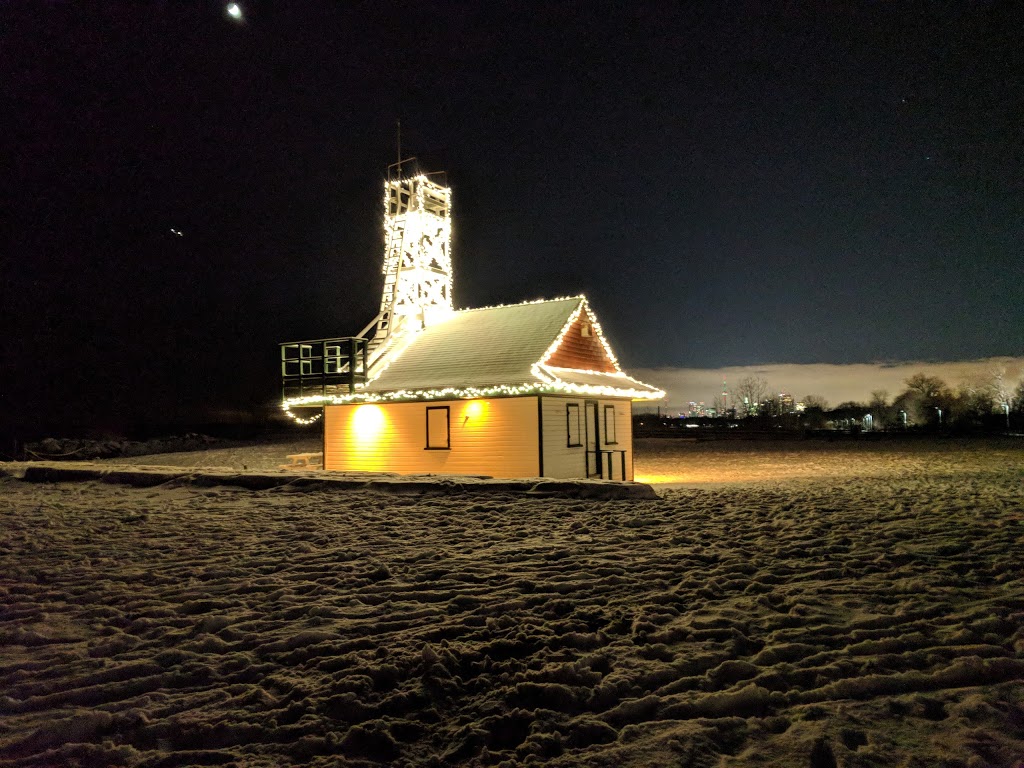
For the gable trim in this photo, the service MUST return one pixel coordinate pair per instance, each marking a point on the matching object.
(583, 306)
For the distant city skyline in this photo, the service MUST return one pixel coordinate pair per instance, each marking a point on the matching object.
(835, 383)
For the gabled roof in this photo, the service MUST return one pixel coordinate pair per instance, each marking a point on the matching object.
(505, 346)
(476, 347)
(516, 349)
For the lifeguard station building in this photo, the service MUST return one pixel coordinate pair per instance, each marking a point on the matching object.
(524, 390)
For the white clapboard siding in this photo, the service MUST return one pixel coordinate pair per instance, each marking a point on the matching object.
(561, 460)
(624, 431)
(496, 437)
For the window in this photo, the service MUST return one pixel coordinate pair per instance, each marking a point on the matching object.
(609, 425)
(572, 420)
(438, 432)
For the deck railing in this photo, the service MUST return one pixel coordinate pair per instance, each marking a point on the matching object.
(605, 463)
(322, 366)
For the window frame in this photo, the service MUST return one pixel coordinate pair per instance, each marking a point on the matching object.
(613, 433)
(447, 427)
(568, 426)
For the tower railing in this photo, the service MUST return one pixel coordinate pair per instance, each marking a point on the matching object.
(322, 366)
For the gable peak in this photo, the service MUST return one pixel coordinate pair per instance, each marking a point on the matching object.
(581, 344)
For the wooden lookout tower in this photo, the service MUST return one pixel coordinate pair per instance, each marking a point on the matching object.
(523, 390)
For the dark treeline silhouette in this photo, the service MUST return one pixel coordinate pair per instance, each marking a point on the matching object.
(988, 404)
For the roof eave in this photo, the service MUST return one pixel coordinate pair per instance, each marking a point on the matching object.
(643, 392)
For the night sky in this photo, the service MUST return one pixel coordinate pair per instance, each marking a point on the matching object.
(728, 185)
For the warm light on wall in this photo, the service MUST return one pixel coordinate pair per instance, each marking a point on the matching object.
(368, 422)
(473, 413)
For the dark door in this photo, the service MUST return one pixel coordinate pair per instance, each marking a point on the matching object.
(592, 422)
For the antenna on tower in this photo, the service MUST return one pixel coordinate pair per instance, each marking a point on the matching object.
(395, 169)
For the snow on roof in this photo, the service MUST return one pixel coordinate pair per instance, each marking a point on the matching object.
(482, 349)
(574, 377)
(477, 348)
(487, 352)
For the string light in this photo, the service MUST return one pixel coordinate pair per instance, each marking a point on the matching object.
(299, 419)
(468, 393)
(416, 238)
(548, 378)
(523, 303)
(584, 306)
(407, 336)
(539, 369)
(416, 286)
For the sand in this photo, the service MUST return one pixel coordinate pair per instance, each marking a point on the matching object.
(866, 610)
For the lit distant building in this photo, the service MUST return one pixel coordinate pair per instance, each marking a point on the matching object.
(695, 409)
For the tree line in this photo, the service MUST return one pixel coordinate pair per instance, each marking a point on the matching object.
(986, 402)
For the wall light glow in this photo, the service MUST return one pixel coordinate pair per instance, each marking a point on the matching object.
(368, 422)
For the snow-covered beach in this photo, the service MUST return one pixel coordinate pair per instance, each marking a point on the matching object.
(848, 604)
